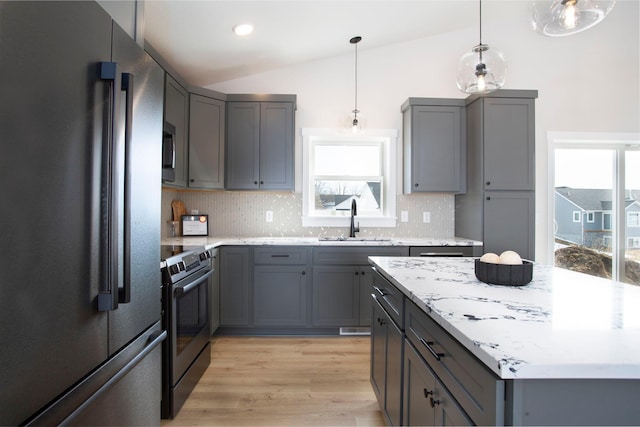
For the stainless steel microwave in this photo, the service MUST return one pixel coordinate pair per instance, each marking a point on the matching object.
(168, 152)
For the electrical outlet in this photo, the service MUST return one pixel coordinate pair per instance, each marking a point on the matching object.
(269, 216)
(404, 216)
(426, 216)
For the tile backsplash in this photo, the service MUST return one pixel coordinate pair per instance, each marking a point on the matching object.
(242, 214)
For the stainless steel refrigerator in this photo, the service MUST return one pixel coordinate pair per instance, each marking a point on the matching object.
(80, 173)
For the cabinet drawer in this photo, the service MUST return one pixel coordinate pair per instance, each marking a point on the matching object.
(389, 297)
(354, 255)
(280, 255)
(478, 390)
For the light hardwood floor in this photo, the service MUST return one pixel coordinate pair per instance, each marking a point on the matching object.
(284, 381)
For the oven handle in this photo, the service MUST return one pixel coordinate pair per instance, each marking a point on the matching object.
(180, 290)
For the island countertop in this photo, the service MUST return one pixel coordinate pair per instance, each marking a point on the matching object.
(562, 325)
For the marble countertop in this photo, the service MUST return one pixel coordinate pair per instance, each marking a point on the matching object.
(210, 242)
(562, 324)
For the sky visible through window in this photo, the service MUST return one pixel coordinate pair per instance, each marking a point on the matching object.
(591, 168)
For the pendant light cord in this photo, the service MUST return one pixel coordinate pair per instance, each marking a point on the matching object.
(355, 111)
(481, 22)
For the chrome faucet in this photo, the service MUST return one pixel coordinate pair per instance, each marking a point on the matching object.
(354, 227)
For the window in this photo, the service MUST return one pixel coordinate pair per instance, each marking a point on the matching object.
(340, 167)
(576, 216)
(599, 173)
(606, 221)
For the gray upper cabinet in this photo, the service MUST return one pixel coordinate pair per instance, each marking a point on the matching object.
(434, 144)
(260, 142)
(176, 112)
(206, 142)
(509, 142)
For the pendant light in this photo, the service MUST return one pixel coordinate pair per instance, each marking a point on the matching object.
(564, 17)
(482, 70)
(356, 124)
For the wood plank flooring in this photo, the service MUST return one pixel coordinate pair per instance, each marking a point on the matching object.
(284, 381)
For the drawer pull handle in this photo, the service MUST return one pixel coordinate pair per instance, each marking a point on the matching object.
(380, 291)
(428, 344)
(433, 402)
(279, 256)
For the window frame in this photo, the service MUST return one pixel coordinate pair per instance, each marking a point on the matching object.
(636, 223)
(388, 138)
(591, 217)
(577, 216)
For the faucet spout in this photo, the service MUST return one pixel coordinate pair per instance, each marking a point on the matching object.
(354, 227)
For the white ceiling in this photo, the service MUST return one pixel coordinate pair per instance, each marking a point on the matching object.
(196, 39)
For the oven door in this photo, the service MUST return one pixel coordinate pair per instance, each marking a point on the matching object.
(190, 321)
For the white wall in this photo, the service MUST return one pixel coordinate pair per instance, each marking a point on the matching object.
(588, 82)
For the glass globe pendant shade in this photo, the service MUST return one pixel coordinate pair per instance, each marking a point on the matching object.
(564, 17)
(481, 71)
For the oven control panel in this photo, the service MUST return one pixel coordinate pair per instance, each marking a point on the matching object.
(186, 263)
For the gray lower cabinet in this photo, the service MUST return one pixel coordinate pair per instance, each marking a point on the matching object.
(206, 142)
(260, 142)
(509, 218)
(434, 142)
(420, 374)
(336, 296)
(176, 112)
(342, 284)
(234, 285)
(426, 401)
(280, 286)
(386, 363)
(214, 313)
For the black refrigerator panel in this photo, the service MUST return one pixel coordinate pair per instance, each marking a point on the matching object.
(56, 114)
(141, 137)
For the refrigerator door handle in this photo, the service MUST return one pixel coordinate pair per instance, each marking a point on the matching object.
(154, 340)
(127, 86)
(108, 295)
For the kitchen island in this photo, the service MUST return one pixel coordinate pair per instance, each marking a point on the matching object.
(563, 349)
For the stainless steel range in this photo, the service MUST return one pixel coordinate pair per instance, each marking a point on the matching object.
(185, 316)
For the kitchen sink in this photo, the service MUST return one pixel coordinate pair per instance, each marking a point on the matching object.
(354, 239)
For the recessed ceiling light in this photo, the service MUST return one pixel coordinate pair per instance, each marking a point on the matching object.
(243, 29)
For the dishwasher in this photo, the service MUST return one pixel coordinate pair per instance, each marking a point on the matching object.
(445, 251)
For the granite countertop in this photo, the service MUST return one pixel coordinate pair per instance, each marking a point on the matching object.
(562, 324)
(211, 242)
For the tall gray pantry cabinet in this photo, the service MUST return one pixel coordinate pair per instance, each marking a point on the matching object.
(81, 126)
(498, 207)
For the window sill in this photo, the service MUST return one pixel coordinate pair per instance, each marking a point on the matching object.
(345, 221)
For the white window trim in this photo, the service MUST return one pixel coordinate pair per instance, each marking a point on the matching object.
(637, 222)
(389, 137)
(576, 216)
(591, 217)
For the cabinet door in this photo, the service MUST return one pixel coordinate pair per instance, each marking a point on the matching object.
(242, 165)
(215, 292)
(176, 112)
(437, 144)
(280, 295)
(426, 401)
(366, 282)
(509, 141)
(234, 286)
(419, 387)
(276, 146)
(336, 296)
(509, 222)
(395, 353)
(206, 142)
(379, 324)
